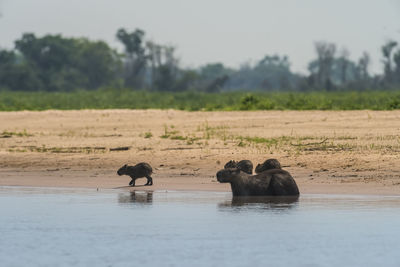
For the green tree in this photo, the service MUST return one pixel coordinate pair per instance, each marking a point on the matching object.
(64, 64)
(135, 57)
(268, 74)
(396, 59)
(187, 80)
(387, 60)
(344, 63)
(363, 65)
(214, 77)
(98, 62)
(16, 74)
(165, 72)
(324, 64)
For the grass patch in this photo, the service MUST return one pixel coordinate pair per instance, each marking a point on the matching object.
(178, 137)
(6, 134)
(44, 149)
(268, 142)
(148, 135)
(167, 132)
(193, 101)
(209, 132)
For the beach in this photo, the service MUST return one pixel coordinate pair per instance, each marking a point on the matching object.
(327, 152)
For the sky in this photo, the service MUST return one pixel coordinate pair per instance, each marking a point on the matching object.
(206, 31)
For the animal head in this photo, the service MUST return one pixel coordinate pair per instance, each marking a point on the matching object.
(246, 166)
(268, 165)
(227, 175)
(230, 164)
(122, 170)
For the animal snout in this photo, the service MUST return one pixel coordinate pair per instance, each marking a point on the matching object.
(119, 173)
(219, 174)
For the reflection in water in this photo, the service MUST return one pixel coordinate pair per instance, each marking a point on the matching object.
(316, 230)
(267, 202)
(136, 197)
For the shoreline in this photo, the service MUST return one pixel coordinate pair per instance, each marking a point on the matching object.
(107, 180)
(327, 152)
(149, 189)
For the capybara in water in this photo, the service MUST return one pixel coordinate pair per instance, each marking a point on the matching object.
(140, 170)
(243, 165)
(275, 182)
(269, 164)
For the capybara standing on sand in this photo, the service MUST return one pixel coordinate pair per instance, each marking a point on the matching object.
(269, 164)
(140, 170)
(243, 165)
(275, 182)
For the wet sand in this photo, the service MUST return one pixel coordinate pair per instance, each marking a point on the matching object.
(338, 152)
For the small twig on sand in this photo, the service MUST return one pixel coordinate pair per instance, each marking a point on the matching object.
(124, 148)
(180, 148)
(311, 144)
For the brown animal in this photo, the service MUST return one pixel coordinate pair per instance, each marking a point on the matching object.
(269, 164)
(243, 165)
(275, 182)
(140, 170)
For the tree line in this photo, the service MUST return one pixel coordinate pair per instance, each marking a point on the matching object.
(56, 63)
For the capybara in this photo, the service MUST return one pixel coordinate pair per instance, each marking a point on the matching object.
(140, 170)
(274, 182)
(243, 165)
(269, 164)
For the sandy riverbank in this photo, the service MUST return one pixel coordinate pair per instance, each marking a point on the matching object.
(355, 152)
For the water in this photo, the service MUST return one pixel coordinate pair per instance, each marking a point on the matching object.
(65, 227)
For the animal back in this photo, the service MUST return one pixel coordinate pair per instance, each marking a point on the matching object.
(145, 166)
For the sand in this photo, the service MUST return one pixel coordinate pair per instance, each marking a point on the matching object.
(336, 152)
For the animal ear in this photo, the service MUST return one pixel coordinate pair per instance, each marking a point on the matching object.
(126, 165)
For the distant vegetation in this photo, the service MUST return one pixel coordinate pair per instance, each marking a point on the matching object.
(54, 72)
(192, 101)
(53, 63)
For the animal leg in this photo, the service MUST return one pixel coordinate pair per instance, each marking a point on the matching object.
(149, 180)
(132, 182)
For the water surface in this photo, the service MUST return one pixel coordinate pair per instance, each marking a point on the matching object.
(64, 227)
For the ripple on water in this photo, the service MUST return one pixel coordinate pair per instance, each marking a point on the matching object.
(63, 227)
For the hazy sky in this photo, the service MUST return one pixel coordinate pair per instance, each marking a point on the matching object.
(228, 31)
